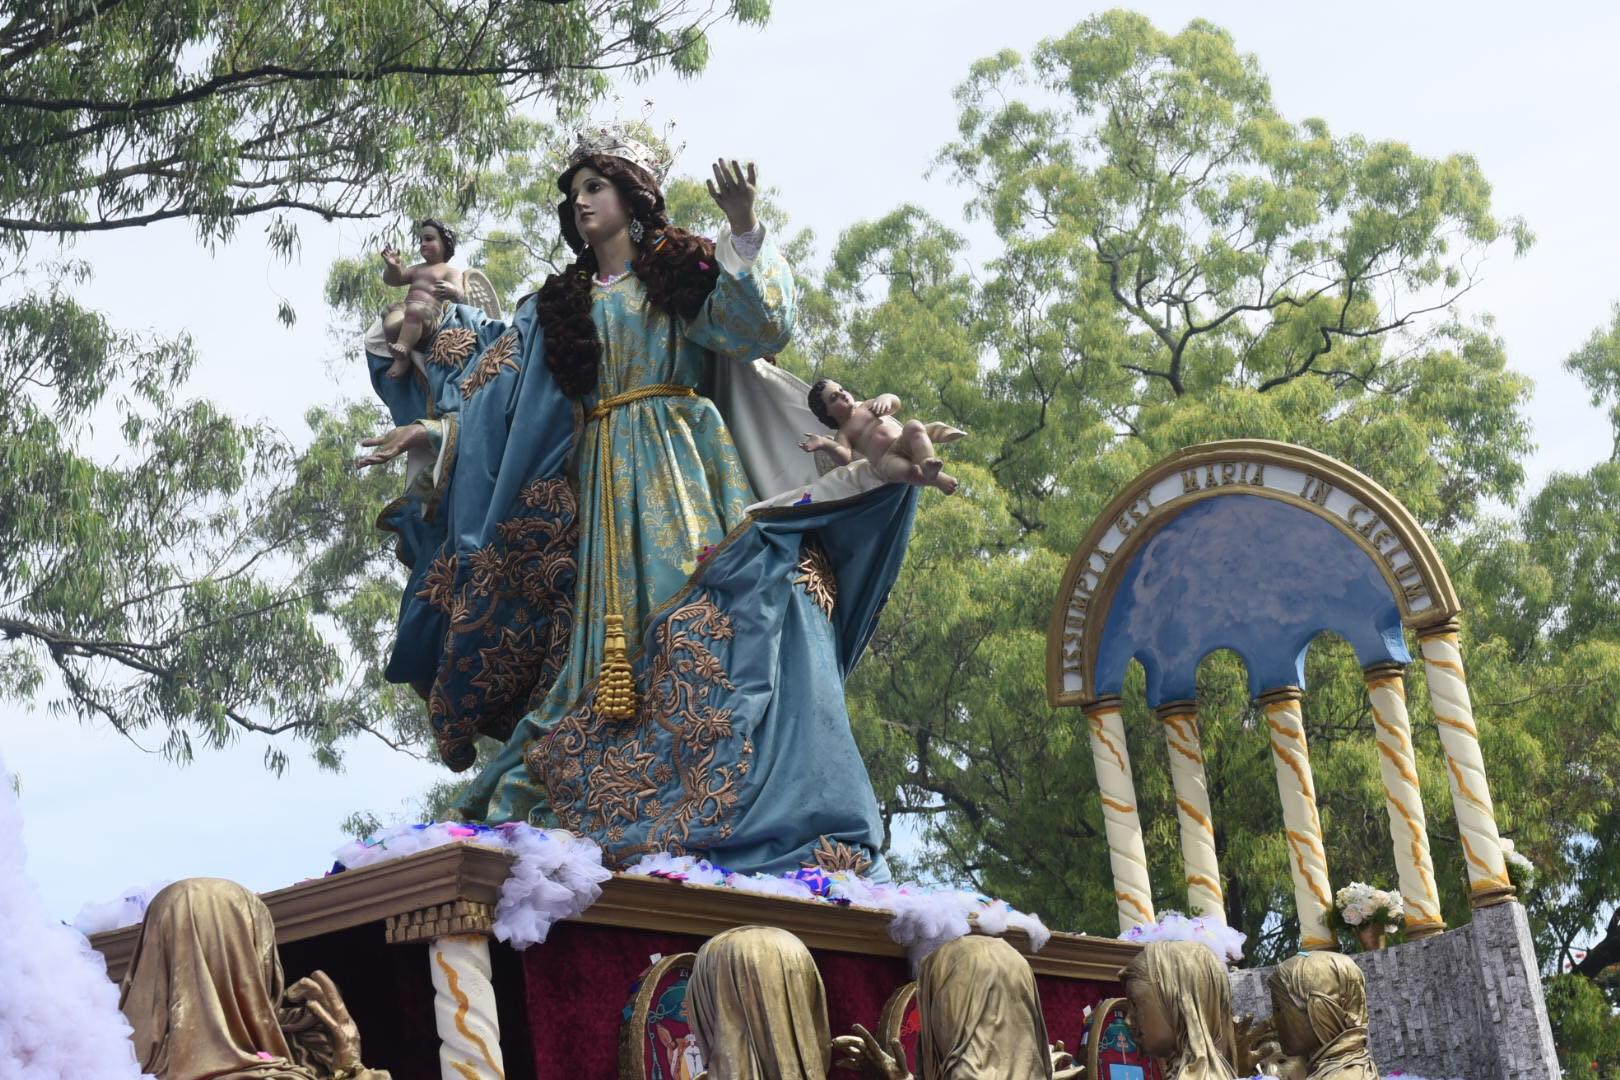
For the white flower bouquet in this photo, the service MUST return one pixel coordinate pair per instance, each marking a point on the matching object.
(1363, 910)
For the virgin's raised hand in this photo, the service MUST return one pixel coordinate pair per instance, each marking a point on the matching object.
(733, 189)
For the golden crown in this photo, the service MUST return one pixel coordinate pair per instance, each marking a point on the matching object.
(613, 140)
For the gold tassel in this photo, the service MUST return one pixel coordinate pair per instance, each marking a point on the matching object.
(616, 686)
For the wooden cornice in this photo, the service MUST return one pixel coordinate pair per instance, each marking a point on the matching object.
(466, 872)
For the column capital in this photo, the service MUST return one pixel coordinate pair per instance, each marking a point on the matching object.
(1439, 629)
(1110, 703)
(1280, 694)
(1383, 670)
(440, 920)
(1184, 707)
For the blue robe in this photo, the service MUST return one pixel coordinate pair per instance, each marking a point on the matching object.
(742, 627)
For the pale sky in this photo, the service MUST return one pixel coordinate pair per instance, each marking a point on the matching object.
(843, 105)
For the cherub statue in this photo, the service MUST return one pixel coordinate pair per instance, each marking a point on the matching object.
(900, 454)
(412, 321)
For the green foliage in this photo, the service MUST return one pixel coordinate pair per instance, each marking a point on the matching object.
(1176, 262)
(115, 115)
(178, 587)
(1585, 1027)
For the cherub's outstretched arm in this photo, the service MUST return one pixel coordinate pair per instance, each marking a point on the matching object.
(843, 454)
(393, 273)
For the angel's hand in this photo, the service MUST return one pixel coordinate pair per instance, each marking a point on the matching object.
(319, 994)
(390, 255)
(862, 1053)
(444, 290)
(390, 446)
(884, 405)
(812, 443)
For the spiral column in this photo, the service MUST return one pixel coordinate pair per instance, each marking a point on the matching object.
(1203, 872)
(1307, 859)
(1133, 894)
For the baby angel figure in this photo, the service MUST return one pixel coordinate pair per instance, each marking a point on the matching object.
(412, 321)
(900, 454)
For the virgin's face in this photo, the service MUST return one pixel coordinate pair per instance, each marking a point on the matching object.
(599, 211)
(1150, 1020)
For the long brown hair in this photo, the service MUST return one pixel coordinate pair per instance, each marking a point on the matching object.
(676, 267)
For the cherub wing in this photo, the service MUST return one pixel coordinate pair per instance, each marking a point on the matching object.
(480, 292)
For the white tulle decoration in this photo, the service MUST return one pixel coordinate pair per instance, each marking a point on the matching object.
(59, 1017)
(765, 885)
(678, 868)
(922, 919)
(1224, 941)
(557, 874)
(398, 841)
(128, 910)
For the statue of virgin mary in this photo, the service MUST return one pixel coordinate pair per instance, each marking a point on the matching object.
(621, 565)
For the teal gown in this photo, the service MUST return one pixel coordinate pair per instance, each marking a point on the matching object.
(742, 627)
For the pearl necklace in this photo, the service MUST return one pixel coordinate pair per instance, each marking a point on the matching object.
(611, 279)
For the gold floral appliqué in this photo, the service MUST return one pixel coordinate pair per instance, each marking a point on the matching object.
(495, 664)
(816, 577)
(660, 773)
(503, 353)
(452, 346)
(833, 856)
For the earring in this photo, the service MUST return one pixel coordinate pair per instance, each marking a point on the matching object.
(637, 230)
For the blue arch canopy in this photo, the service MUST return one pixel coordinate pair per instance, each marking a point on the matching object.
(1248, 573)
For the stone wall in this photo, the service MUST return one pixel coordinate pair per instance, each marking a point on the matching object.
(1466, 1003)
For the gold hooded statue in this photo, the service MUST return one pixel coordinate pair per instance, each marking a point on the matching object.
(1319, 1005)
(758, 1008)
(1181, 1008)
(206, 996)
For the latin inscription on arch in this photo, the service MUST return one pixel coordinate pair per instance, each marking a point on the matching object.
(1290, 481)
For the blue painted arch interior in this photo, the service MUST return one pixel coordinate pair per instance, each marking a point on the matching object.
(1259, 576)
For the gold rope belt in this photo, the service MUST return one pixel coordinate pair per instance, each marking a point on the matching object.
(616, 685)
(640, 393)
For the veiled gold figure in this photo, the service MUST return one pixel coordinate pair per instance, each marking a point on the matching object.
(204, 993)
(1181, 1009)
(758, 1008)
(981, 1014)
(1319, 1003)
(981, 1019)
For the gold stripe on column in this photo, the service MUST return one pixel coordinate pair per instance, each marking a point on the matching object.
(1203, 874)
(1403, 796)
(1313, 892)
(1488, 881)
(1127, 855)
